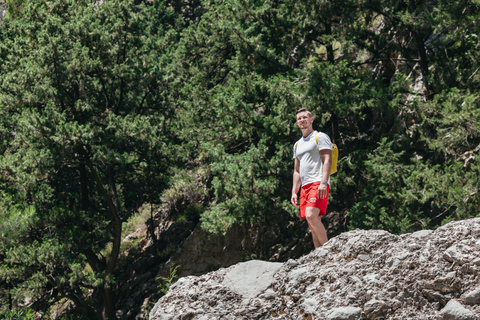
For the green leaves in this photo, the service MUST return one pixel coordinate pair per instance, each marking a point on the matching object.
(244, 186)
(424, 187)
(84, 129)
(454, 119)
(107, 106)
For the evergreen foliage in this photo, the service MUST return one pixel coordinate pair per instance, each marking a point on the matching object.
(18, 315)
(105, 106)
(84, 128)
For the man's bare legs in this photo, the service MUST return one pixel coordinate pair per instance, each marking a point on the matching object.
(319, 234)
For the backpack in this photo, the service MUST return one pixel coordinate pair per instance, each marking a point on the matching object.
(334, 155)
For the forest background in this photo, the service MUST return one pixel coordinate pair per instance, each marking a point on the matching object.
(106, 106)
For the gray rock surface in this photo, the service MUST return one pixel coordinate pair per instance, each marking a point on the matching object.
(473, 297)
(356, 275)
(251, 278)
(455, 311)
(346, 313)
(3, 11)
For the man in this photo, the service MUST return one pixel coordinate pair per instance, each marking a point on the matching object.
(313, 161)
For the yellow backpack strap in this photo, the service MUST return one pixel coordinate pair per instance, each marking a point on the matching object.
(334, 155)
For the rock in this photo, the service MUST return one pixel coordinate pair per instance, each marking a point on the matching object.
(251, 278)
(376, 309)
(377, 275)
(297, 276)
(473, 297)
(310, 305)
(3, 11)
(346, 313)
(453, 254)
(454, 310)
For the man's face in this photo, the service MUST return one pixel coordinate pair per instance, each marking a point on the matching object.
(304, 120)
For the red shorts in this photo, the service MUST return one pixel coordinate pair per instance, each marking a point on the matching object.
(308, 198)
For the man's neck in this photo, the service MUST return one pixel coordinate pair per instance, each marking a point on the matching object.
(306, 132)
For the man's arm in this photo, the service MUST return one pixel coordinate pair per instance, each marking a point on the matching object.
(296, 183)
(326, 155)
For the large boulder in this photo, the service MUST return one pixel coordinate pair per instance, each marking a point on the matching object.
(356, 275)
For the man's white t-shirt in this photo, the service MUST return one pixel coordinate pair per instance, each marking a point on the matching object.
(308, 152)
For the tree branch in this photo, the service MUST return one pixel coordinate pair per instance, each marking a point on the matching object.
(117, 224)
(114, 206)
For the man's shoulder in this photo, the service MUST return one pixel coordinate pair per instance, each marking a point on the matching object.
(323, 141)
(322, 135)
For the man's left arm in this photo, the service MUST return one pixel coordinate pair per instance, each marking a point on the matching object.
(326, 155)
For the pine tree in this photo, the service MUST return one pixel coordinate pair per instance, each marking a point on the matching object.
(84, 131)
(368, 70)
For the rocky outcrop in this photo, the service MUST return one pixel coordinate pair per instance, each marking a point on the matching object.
(3, 11)
(195, 252)
(202, 252)
(356, 275)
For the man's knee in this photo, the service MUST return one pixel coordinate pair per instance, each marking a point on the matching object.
(312, 213)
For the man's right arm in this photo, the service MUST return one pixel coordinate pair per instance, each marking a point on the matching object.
(296, 183)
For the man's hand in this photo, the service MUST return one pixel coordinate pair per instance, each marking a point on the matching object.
(322, 191)
(294, 200)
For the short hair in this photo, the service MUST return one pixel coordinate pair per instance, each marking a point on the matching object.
(304, 110)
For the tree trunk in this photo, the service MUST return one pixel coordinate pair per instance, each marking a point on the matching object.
(334, 120)
(419, 35)
(331, 59)
(330, 56)
(83, 186)
(108, 312)
(115, 208)
(423, 64)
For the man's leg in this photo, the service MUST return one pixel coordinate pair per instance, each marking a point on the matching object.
(319, 234)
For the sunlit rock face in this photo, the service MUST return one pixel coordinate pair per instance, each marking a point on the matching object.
(356, 275)
(3, 11)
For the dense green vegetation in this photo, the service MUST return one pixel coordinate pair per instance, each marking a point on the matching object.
(18, 315)
(109, 105)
